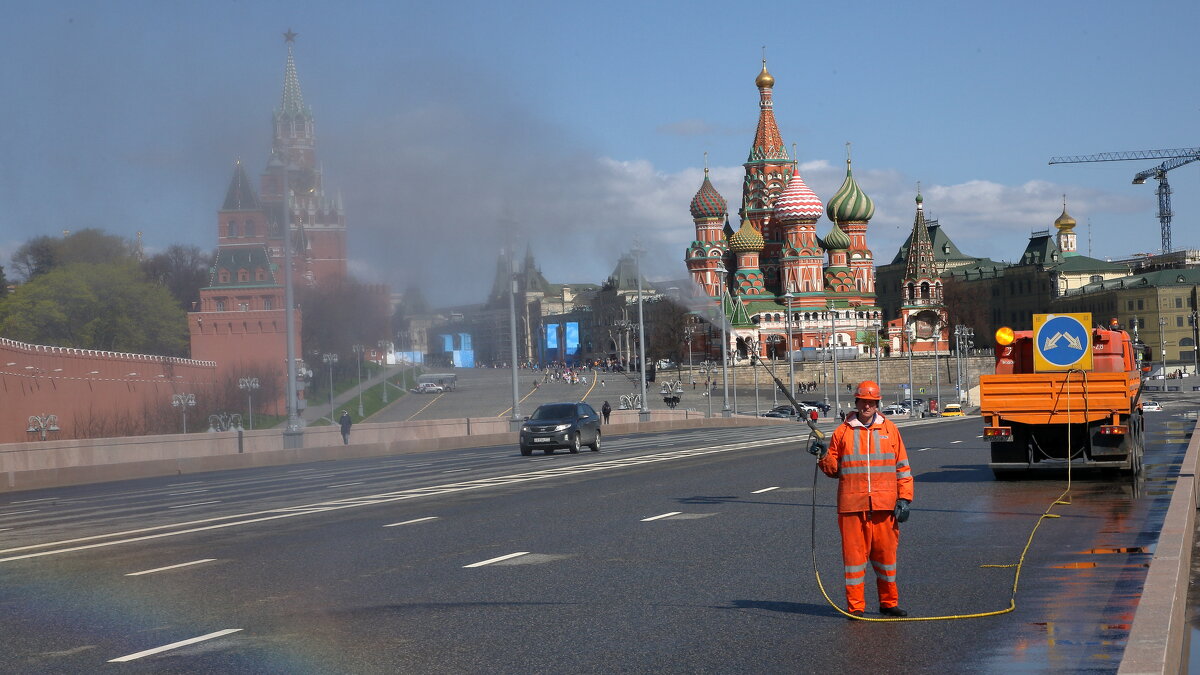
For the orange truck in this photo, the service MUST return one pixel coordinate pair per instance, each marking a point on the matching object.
(1037, 418)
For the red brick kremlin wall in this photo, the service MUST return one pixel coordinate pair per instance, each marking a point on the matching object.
(96, 393)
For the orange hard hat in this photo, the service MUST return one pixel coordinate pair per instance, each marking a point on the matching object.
(869, 390)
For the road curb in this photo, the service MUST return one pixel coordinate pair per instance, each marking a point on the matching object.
(1158, 636)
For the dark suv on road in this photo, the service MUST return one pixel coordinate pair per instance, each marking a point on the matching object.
(561, 425)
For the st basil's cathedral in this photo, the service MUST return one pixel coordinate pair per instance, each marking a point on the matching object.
(776, 262)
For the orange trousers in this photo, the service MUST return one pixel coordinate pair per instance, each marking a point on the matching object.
(869, 537)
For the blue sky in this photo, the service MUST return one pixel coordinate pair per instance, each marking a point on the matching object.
(583, 126)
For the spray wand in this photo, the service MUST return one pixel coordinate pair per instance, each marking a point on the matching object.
(818, 446)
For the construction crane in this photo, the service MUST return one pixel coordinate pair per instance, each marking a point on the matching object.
(1174, 159)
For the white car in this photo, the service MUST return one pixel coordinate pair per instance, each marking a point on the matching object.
(1153, 406)
(428, 388)
(894, 409)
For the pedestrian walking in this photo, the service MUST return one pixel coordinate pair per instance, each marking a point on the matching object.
(875, 488)
(812, 414)
(606, 410)
(344, 421)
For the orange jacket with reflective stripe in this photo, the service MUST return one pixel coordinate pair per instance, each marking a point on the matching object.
(871, 464)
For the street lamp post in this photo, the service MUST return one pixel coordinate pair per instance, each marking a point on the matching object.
(837, 392)
(1195, 340)
(386, 346)
(725, 411)
(182, 402)
(753, 345)
(644, 412)
(1162, 343)
(40, 424)
(908, 338)
(358, 349)
(937, 369)
(791, 357)
(514, 421)
(329, 360)
(249, 385)
(878, 356)
(689, 334)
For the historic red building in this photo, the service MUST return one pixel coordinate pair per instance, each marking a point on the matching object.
(240, 321)
(776, 277)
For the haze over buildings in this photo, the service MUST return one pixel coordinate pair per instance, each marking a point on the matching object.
(586, 128)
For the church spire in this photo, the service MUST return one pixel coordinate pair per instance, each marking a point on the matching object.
(293, 100)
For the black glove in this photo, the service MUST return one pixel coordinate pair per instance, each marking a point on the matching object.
(902, 510)
(818, 448)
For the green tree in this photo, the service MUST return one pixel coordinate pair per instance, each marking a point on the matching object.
(96, 306)
(45, 253)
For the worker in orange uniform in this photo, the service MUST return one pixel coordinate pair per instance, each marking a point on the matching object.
(875, 487)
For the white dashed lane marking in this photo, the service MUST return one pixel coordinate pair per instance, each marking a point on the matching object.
(481, 563)
(414, 520)
(169, 567)
(174, 645)
(184, 506)
(661, 516)
(764, 490)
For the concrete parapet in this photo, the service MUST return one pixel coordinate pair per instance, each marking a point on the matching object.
(32, 465)
(1159, 633)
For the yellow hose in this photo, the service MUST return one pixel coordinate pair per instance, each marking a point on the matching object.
(1012, 601)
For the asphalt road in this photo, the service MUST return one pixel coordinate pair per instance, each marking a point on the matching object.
(410, 564)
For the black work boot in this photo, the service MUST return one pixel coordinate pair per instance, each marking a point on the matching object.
(892, 611)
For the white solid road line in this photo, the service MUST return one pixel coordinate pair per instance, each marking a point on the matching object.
(662, 515)
(345, 484)
(414, 520)
(184, 506)
(186, 492)
(481, 563)
(194, 482)
(30, 501)
(764, 490)
(169, 567)
(173, 645)
(455, 470)
(242, 519)
(13, 513)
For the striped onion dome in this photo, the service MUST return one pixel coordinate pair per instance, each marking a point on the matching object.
(797, 202)
(747, 239)
(708, 203)
(837, 240)
(850, 204)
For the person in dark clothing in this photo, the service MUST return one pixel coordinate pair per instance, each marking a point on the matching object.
(345, 423)
(606, 410)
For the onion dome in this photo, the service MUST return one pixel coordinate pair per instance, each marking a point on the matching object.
(837, 240)
(748, 240)
(797, 201)
(850, 204)
(1065, 221)
(708, 203)
(764, 79)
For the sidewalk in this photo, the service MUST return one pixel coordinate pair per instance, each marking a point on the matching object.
(348, 399)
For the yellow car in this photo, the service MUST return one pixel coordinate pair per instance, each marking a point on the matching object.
(953, 410)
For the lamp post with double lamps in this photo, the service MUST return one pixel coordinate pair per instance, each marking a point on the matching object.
(725, 411)
(182, 402)
(330, 360)
(249, 385)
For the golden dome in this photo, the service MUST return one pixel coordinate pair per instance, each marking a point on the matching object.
(1065, 221)
(764, 79)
